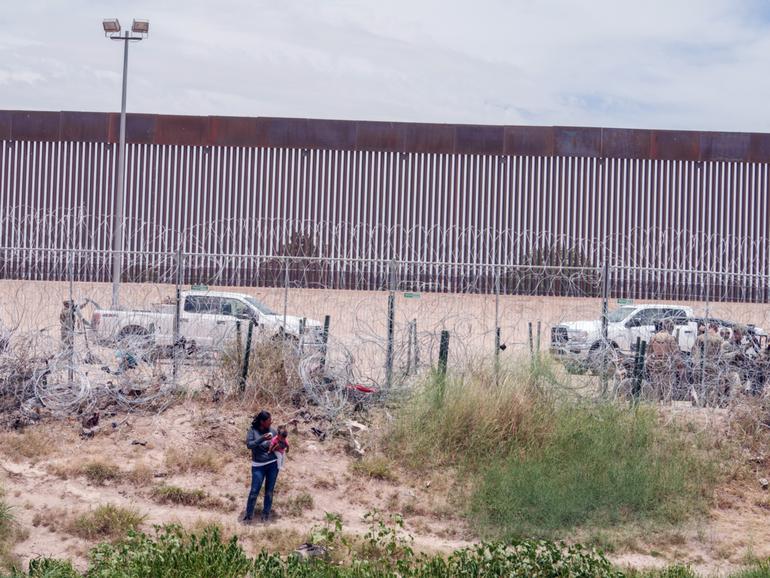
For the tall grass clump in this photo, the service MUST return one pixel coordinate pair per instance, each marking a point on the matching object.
(537, 462)
(7, 534)
(467, 421)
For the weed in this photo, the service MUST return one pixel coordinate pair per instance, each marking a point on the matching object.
(31, 444)
(106, 522)
(276, 540)
(203, 459)
(376, 467)
(295, 506)
(140, 475)
(539, 465)
(98, 472)
(167, 494)
(602, 465)
(175, 495)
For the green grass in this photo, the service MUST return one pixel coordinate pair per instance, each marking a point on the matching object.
(375, 467)
(600, 466)
(7, 534)
(538, 464)
(296, 506)
(182, 496)
(99, 472)
(106, 522)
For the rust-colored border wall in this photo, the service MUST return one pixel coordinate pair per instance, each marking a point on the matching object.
(387, 136)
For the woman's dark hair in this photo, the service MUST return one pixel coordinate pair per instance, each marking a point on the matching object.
(261, 417)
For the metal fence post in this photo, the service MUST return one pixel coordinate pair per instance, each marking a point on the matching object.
(605, 322)
(246, 356)
(443, 353)
(177, 312)
(285, 294)
(71, 320)
(325, 340)
(497, 326)
(391, 323)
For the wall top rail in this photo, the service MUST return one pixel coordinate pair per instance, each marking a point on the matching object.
(386, 136)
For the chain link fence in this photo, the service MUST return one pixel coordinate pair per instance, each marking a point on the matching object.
(340, 330)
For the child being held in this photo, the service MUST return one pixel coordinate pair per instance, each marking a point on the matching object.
(280, 446)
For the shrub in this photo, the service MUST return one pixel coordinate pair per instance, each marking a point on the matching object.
(295, 506)
(539, 464)
(51, 568)
(31, 444)
(204, 459)
(98, 472)
(106, 522)
(140, 475)
(466, 422)
(167, 494)
(601, 465)
(376, 467)
(171, 553)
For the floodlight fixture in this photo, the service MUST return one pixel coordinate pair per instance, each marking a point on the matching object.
(140, 26)
(111, 25)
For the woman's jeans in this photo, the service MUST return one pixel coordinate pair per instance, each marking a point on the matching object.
(269, 474)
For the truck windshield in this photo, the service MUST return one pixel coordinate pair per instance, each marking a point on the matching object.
(619, 314)
(261, 307)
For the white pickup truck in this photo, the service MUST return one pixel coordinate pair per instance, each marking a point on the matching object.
(207, 319)
(580, 342)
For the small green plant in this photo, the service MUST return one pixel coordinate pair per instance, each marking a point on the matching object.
(386, 540)
(172, 552)
(329, 535)
(51, 568)
(106, 522)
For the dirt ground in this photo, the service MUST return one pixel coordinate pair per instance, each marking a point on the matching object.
(47, 492)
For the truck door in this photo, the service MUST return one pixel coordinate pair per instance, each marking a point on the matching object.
(234, 311)
(201, 321)
(642, 325)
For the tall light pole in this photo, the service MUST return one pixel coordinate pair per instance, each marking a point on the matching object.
(139, 31)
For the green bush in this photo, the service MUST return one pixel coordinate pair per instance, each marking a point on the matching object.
(106, 522)
(601, 465)
(171, 553)
(538, 463)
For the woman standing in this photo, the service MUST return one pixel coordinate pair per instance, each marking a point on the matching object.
(264, 466)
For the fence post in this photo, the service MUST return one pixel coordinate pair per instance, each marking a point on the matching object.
(246, 356)
(71, 321)
(497, 326)
(238, 344)
(531, 342)
(391, 323)
(641, 349)
(177, 312)
(285, 295)
(302, 323)
(443, 353)
(605, 322)
(325, 340)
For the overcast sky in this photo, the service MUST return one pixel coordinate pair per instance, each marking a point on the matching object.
(687, 64)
